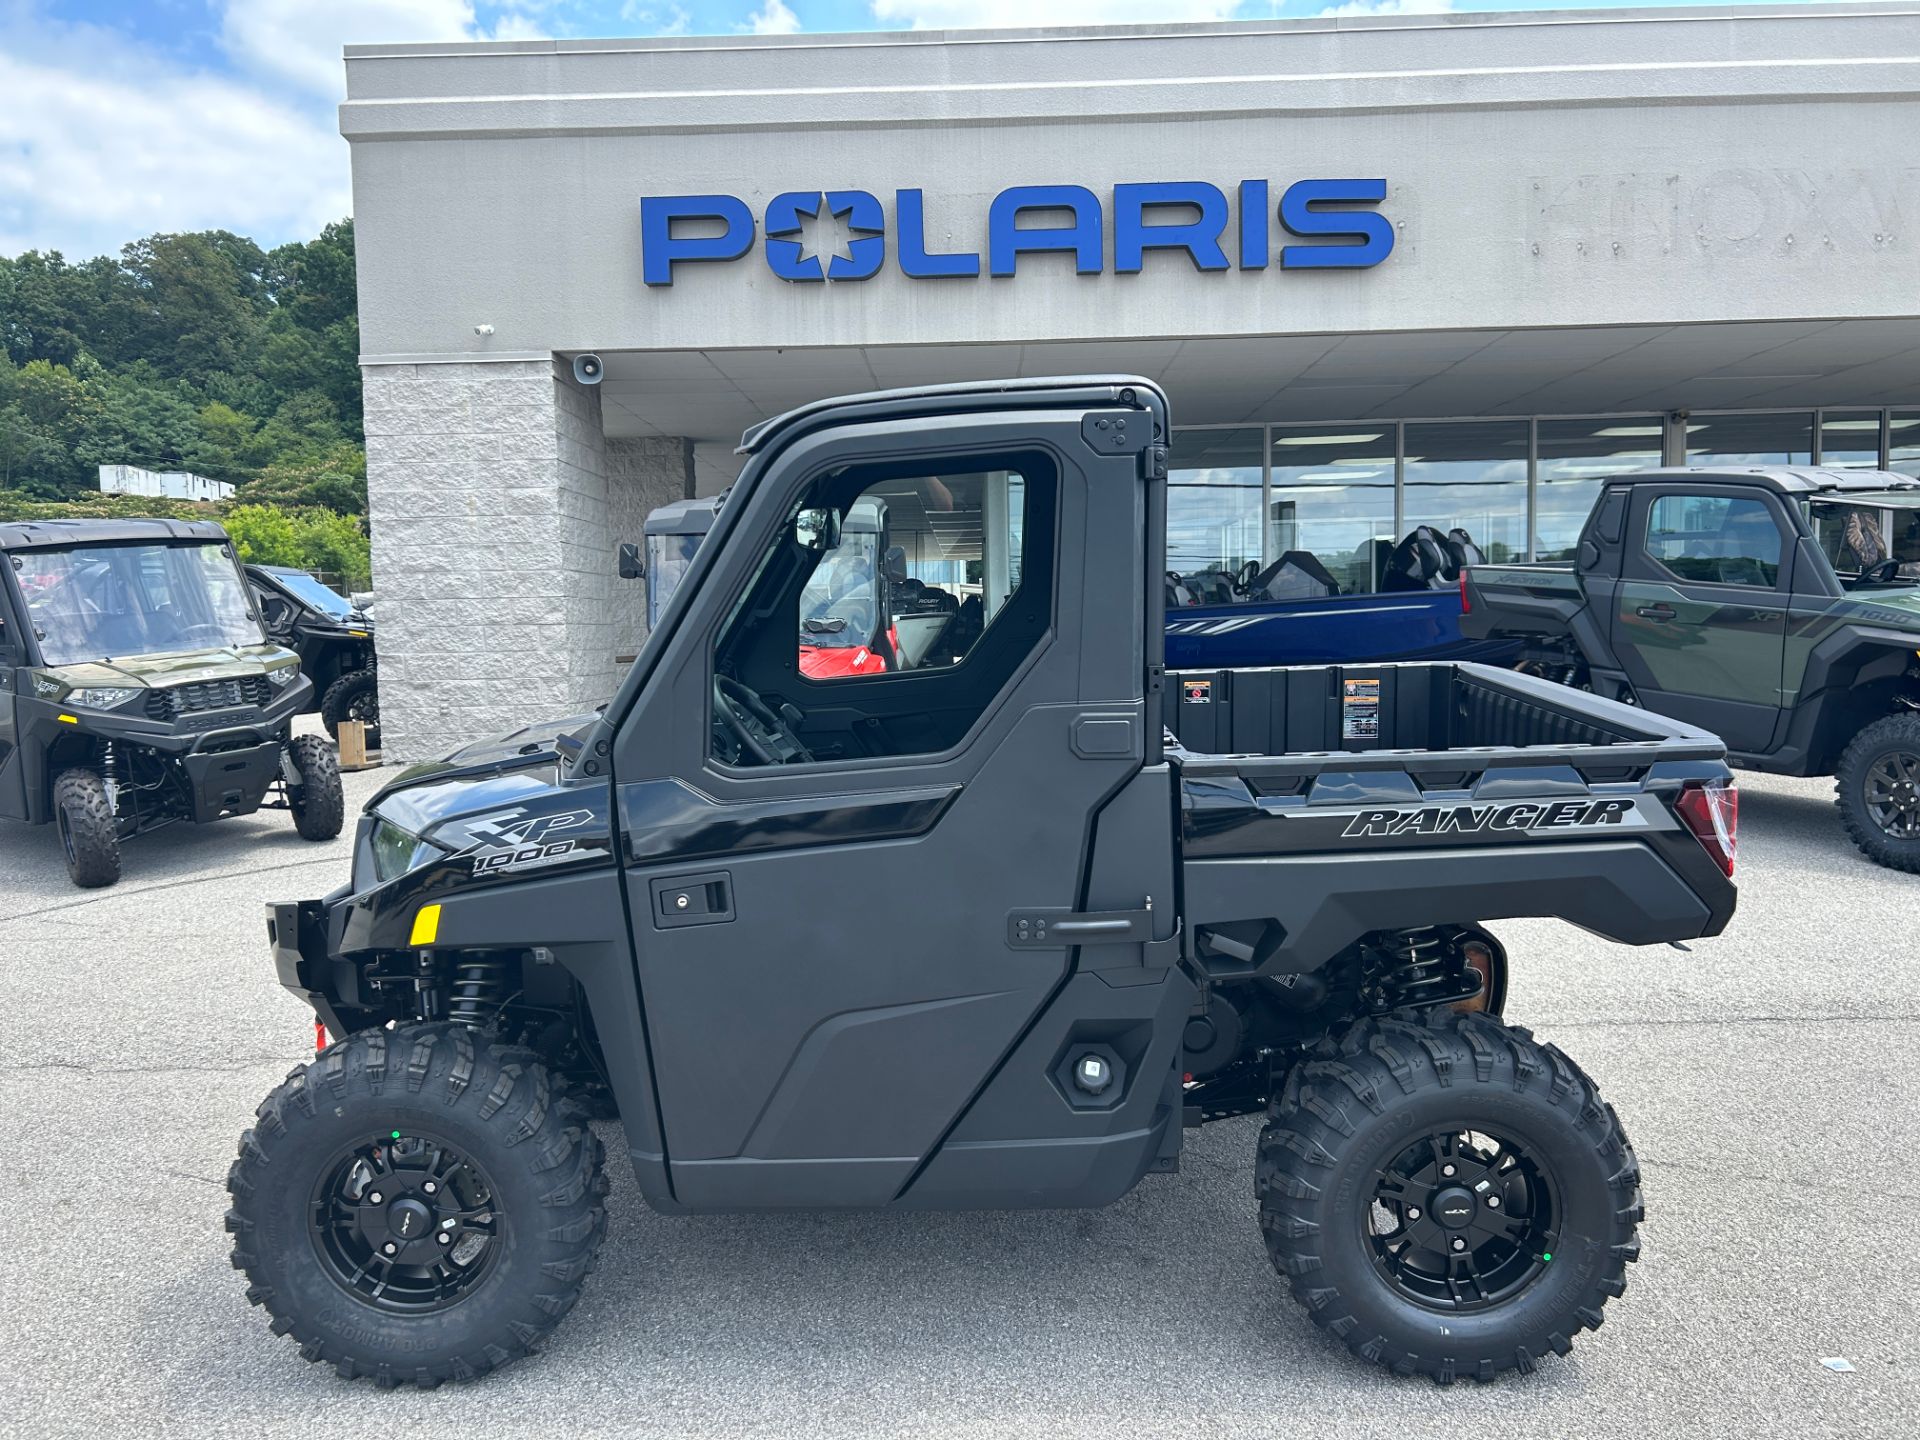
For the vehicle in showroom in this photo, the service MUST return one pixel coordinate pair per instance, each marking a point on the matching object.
(137, 689)
(1777, 607)
(333, 638)
(981, 933)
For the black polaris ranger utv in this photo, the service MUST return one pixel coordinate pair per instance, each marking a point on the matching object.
(333, 638)
(137, 689)
(1777, 607)
(974, 933)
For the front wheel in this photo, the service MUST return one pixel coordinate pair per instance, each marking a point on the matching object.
(319, 808)
(1878, 791)
(1448, 1196)
(416, 1205)
(89, 834)
(354, 696)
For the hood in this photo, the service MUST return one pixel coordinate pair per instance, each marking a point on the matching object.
(479, 773)
(1897, 606)
(185, 668)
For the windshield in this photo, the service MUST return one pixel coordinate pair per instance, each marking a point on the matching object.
(100, 602)
(320, 597)
(837, 608)
(1864, 532)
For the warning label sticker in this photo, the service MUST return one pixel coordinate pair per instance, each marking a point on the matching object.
(1198, 692)
(1360, 709)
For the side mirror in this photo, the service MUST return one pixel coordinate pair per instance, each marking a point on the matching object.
(1589, 554)
(895, 566)
(631, 567)
(817, 529)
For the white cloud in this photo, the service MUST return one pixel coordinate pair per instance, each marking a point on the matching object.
(773, 18)
(1007, 14)
(299, 41)
(102, 142)
(1360, 9)
(657, 19)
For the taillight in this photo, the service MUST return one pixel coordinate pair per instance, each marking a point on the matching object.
(1466, 605)
(1712, 813)
(319, 1036)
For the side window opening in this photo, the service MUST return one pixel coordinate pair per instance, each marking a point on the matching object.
(892, 632)
(1715, 539)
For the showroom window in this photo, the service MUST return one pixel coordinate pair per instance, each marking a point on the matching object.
(1780, 439)
(1213, 507)
(1574, 457)
(1850, 439)
(1330, 497)
(1470, 476)
(1903, 442)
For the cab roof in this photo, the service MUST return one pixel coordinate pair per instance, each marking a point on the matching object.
(1031, 392)
(1786, 479)
(61, 534)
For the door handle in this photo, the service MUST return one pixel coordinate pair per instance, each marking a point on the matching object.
(1661, 613)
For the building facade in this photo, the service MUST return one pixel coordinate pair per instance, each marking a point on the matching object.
(1443, 270)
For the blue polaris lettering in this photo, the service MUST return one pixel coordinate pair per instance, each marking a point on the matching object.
(1133, 236)
(1007, 239)
(1188, 215)
(916, 261)
(661, 249)
(1369, 235)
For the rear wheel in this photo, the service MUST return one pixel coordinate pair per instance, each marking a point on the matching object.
(352, 697)
(1448, 1196)
(89, 833)
(319, 808)
(417, 1205)
(1878, 791)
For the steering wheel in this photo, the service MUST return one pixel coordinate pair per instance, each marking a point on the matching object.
(761, 733)
(1244, 577)
(1885, 573)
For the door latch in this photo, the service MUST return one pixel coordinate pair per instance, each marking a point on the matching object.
(1062, 928)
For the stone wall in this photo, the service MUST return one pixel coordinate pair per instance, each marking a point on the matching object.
(492, 558)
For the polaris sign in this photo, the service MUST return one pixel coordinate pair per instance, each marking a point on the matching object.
(1335, 216)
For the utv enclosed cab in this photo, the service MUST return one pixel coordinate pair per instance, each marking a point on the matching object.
(973, 932)
(137, 688)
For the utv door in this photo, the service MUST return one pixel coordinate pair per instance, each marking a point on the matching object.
(1700, 613)
(827, 949)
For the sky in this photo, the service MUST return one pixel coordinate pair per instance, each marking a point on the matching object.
(122, 118)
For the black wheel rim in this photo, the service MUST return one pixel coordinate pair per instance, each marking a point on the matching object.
(1462, 1220)
(1892, 793)
(380, 1210)
(365, 707)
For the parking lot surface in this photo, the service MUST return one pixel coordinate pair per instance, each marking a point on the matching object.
(1768, 1079)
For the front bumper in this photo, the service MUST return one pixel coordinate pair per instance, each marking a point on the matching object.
(297, 936)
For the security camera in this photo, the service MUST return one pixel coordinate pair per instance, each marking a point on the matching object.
(587, 369)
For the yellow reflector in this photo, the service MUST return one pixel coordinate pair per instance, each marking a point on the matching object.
(358, 634)
(68, 720)
(426, 926)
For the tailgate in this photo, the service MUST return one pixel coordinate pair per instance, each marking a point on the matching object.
(1519, 600)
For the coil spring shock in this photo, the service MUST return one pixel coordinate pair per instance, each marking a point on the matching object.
(110, 776)
(1420, 974)
(478, 992)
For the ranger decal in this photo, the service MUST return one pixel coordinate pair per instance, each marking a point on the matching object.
(1476, 819)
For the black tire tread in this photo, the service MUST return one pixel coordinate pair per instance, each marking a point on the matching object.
(319, 806)
(1873, 842)
(1329, 1098)
(339, 698)
(507, 1089)
(81, 795)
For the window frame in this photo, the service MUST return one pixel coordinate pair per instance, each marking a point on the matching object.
(1782, 540)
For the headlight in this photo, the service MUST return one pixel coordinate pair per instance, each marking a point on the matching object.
(283, 676)
(100, 697)
(396, 851)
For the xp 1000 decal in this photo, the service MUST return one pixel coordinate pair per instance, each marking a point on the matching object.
(514, 839)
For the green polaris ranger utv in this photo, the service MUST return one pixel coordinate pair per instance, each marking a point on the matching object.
(137, 688)
(1778, 607)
